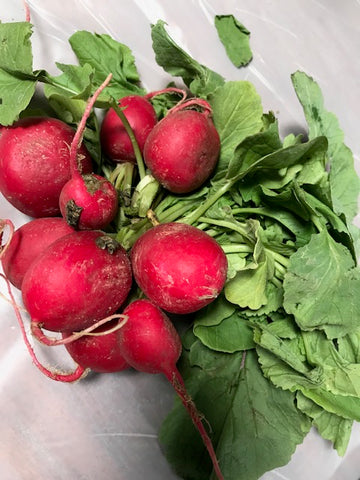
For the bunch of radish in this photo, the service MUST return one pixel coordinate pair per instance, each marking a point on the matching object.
(75, 278)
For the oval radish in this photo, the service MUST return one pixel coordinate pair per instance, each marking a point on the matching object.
(80, 279)
(182, 150)
(179, 267)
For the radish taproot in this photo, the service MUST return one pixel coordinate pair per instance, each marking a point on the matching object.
(150, 343)
(79, 279)
(182, 150)
(35, 164)
(179, 267)
(28, 242)
(115, 140)
(98, 351)
(87, 201)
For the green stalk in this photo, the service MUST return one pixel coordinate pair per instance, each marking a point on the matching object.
(209, 202)
(230, 225)
(237, 248)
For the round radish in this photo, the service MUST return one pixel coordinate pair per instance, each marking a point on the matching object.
(150, 343)
(182, 150)
(88, 202)
(100, 353)
(79, 279)
(28, 242)
(115, 141)
(179, 267)
(35, 165)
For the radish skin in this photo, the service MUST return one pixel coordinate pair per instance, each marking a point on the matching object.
(179, 267)
(79, 279)
(182, 149)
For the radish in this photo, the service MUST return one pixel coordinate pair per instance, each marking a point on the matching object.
(87, 201)
(28, 242)
(35, 164)
(115, 140)
(182, 149)
(179, 267)
(99, 352)
(79, 279)
(141, 117)
(150, 343)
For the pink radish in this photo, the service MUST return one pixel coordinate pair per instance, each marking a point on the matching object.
(150, 343)
(179, 267)
(79, 279)
(28, 242)
(87, 201)
(35, 164)
(182, 150)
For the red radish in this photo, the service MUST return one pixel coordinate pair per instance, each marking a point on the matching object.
(88, 202)
(35, 164)
(179, 267)
(150, 343)
(182, 150)
(100, 353)
(79, 279)
(28, 242)
(115, 140)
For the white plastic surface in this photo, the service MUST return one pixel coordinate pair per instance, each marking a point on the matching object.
(105, 426)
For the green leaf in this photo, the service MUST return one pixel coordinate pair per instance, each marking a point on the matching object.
(344, 181)
(255, 426)
(232, 334)
(248, 287)
(75, 82)
(237, 113)
(321, 287)
(235, 38)
(201, 80)
(332, 427)
(17, 82)
(105, 55)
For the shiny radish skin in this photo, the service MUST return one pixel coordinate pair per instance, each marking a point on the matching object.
(182, 150)
(115, 141)
(179, 267)
(150, 343)
(88, 202)
(80, 279)
(99, 353)
(28, 242)
(35, 164)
